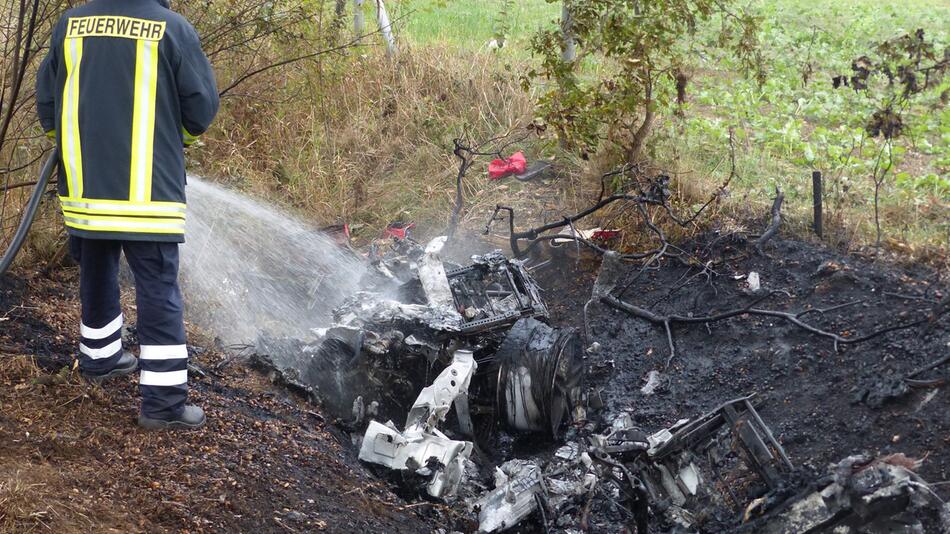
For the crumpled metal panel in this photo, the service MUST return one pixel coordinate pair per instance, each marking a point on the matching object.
(421, 448)
(435, 400)
(516, 484)
(415, 450)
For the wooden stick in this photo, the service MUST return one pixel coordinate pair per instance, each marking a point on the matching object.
(776, 221)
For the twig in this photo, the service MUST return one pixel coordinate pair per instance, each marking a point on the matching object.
(908, 297)
(70, 401)
(349, 44)
(929, 366)
(585, 516)
(669, 339)
(776, 221)
(539, 500)
(794, 318)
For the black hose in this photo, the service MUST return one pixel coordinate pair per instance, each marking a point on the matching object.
(30, 214)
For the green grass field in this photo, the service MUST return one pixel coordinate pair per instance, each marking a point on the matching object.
(792, 125)
(468, 26)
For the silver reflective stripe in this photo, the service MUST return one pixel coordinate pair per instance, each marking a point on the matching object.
(103, 332)
(124, 207)
(97, 354)
(167, 378)
(125, 223)
(163, 352)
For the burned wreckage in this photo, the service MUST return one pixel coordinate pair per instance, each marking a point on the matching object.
(435, 367)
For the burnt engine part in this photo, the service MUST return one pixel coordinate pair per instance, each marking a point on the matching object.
(387, 343)
(762, 450)
(494, 292)
(863, 495)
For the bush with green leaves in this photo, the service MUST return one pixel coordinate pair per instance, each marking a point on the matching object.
(634, 62)
(893, 76)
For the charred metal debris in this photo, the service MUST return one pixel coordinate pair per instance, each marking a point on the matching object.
(436, 368)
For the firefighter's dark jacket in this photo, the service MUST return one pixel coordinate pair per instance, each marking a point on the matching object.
(124, 87)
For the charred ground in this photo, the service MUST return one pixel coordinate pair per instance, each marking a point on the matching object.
(822, 404)
(72, 459)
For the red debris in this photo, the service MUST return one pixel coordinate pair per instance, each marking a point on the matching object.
(605, 235)
(399, 230)
(339, 233)
(499, 168)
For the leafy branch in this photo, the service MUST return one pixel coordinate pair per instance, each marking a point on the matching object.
(893, 77)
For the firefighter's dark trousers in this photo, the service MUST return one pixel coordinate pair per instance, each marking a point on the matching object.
(163, 360)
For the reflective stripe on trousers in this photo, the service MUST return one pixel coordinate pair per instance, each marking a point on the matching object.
(163, 380)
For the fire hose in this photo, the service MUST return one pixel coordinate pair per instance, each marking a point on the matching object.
(30, 212)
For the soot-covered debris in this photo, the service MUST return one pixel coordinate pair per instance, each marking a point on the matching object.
(824, 400)
(500, 422)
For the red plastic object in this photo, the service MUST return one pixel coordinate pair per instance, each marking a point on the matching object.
(399, 230)
(500, 168)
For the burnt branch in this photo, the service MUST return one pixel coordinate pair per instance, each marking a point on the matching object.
(775, 223)
(534, 235)
(793, 318)
(654, 193)
(467, 154)
(464, 154)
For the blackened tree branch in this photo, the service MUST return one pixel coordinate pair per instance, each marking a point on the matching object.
(794, 318)
(775, 223)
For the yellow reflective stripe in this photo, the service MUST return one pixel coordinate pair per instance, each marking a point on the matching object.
(122, 208)
(51, 134)
(107, 213)
(143, 120)
(81, 213)
(139, 212)
(124, 224)
(72, 147)
(187, 137)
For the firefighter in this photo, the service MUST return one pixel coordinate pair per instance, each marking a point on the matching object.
(123, 89)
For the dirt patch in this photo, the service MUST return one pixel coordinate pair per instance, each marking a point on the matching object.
(72, 459)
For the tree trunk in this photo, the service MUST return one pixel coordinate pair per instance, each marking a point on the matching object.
(569, 52)
(640, 136)
(359, 19)
(386, 28)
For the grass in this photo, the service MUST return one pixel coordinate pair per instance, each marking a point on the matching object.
(797, 122)
(470, 26)
(785, 129)
(365, 140)
(368, 141)
(376, 145)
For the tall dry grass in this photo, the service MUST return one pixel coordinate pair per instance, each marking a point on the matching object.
(368, 140)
